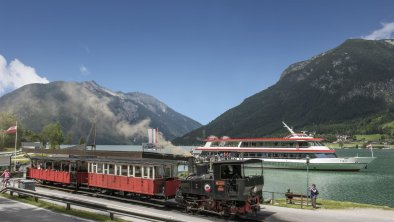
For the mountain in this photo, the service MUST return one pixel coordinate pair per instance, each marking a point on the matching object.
(121, 118)
(349, 89)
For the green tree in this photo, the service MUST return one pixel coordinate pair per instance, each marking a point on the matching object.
(81, 140)
(30, 136)
(69, 138)
(53, 134)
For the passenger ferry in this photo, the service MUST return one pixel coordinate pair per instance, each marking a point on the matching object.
(296, 151)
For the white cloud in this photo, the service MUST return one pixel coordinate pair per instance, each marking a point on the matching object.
(16, 74)
(386, 32)
(84, 71)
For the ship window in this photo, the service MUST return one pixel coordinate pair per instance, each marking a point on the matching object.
(258, 154)
(325, 155)
(214, 144)
(303, 144)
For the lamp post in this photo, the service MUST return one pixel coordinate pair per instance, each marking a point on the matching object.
(307, 178)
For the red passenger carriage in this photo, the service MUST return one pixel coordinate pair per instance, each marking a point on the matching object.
(142, 176)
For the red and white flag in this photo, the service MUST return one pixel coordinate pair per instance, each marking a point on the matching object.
(12, 129)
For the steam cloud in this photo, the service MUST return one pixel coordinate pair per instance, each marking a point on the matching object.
(16, 74)
(386, 32)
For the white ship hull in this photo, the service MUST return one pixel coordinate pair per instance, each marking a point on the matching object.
(339, 164)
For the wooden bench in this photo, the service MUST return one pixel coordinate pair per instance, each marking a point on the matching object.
(290, 197)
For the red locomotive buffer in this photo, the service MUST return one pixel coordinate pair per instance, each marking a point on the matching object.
(143, 177)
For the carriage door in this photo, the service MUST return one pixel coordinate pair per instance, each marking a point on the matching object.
(73, 172)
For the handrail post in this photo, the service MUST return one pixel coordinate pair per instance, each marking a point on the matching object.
(273, 198)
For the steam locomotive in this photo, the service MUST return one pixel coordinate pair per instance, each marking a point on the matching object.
(229, 187)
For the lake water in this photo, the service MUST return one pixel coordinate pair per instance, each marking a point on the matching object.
(374, 185)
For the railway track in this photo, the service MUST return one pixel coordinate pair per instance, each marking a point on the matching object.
(164, 205)
(106, 196)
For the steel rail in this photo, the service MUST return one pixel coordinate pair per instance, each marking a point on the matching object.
(89, 204)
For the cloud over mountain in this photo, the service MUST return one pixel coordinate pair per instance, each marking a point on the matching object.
(16, 74)
(386, 32)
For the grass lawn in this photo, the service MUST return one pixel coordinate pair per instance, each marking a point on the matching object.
(62, 209)
(328, 204)
(369, 137)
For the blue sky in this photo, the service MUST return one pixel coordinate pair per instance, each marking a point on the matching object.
(201, 58)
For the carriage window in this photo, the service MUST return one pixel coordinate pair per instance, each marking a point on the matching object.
(118, 170)
(146, 172)
(93, 168)
(105, 168)
(137, 171)
(99, 168)
(66, 167)
(56, 165)
(48, 165)
(174, 172)
(151, 172)
(167, 171)
(131, 171)
(123, 170)
(111, 169)
(159, 172)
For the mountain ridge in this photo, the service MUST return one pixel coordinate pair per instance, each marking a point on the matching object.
(353, 81)
(121, 118)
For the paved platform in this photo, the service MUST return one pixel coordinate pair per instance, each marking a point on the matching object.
(13, 211)
(282, 214)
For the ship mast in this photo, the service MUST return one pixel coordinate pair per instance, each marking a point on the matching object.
(289, 129)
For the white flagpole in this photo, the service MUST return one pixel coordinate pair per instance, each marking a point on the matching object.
(372, 150)
(16, 140)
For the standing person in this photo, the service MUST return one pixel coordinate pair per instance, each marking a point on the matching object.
(314, 193)
(6, 174)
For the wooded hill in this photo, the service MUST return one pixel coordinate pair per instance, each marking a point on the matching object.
(346, 90)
